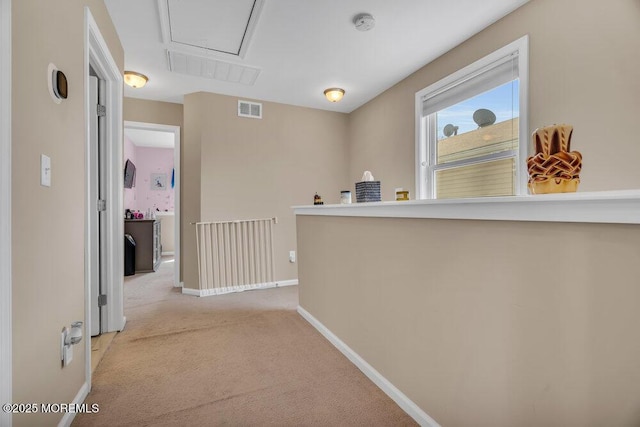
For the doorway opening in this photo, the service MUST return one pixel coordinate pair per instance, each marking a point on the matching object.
(154, 149)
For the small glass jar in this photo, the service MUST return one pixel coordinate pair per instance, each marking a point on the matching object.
(401, 194)
(345, 197)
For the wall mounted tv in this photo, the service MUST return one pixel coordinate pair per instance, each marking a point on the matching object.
(129, 174)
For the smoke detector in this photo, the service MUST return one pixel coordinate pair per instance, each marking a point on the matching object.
(364, 22)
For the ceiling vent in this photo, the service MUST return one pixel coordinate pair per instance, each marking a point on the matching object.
(211, 68)
(250, 109)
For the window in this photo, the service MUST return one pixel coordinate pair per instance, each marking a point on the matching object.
(471, 130)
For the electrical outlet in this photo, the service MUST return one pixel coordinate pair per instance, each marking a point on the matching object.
(63, 339)
(292, 256)
(68, 355)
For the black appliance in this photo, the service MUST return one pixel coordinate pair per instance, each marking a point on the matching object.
(129, 255)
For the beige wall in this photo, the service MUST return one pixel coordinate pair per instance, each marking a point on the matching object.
(164, 113)
(581, 73)
(241, 168)
(190, 187)
(158, 112)
(485, 323)
(48, 225)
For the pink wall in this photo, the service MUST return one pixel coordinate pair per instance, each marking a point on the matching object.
(153, 161)
(129, 193)
(148, 161)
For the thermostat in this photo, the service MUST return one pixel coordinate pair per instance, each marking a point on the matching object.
(57, 82)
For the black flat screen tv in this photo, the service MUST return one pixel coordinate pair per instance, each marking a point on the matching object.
(129, 174)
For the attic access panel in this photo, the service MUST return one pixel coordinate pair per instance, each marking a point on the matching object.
(214, 26)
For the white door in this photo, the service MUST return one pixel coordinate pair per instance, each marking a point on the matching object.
(97, 198)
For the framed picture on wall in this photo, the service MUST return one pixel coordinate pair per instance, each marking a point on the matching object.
(158, 181)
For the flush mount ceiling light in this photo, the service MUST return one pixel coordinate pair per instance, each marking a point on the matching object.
(364, 21)
(135, 80)
(334, 94)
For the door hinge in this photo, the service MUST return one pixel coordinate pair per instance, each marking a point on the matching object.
(102, 300)
(102, 205)
(102, 110)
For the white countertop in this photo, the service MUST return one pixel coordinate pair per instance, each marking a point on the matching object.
(616, 207)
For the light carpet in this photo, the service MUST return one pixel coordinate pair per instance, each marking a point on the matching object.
(239, 359)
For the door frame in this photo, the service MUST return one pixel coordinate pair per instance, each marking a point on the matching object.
(98, 56)
(6, 392)
(176, 190)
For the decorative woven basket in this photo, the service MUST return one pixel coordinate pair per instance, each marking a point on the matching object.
(554, 168)
(368, 191)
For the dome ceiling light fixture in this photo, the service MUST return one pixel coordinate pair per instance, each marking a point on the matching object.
(334, 94)
(135, 80)
(364, 21)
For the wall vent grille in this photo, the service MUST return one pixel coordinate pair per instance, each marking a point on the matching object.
(250, 109)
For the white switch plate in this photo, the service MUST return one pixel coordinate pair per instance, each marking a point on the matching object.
(292, 256)
(45, 171)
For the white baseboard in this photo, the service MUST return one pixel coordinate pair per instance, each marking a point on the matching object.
(291, 282)
(240, 288)
(189, 291)
(385, 385)
(68, 417)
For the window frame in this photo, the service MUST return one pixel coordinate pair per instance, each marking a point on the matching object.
(426, 131)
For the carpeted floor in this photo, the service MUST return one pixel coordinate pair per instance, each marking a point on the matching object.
(240, 359)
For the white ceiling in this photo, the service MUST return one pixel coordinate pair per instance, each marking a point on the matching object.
(299, 47)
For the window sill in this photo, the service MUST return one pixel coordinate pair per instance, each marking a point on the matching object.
(613, 207)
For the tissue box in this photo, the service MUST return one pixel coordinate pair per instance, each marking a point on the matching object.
(368, 191)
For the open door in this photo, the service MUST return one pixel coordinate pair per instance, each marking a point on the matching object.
(98, 197)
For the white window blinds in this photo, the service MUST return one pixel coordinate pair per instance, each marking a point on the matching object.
(495, 74)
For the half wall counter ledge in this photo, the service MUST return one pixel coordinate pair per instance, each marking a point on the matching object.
(606, 207)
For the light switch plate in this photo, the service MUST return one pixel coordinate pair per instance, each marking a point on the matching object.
(45, 171)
